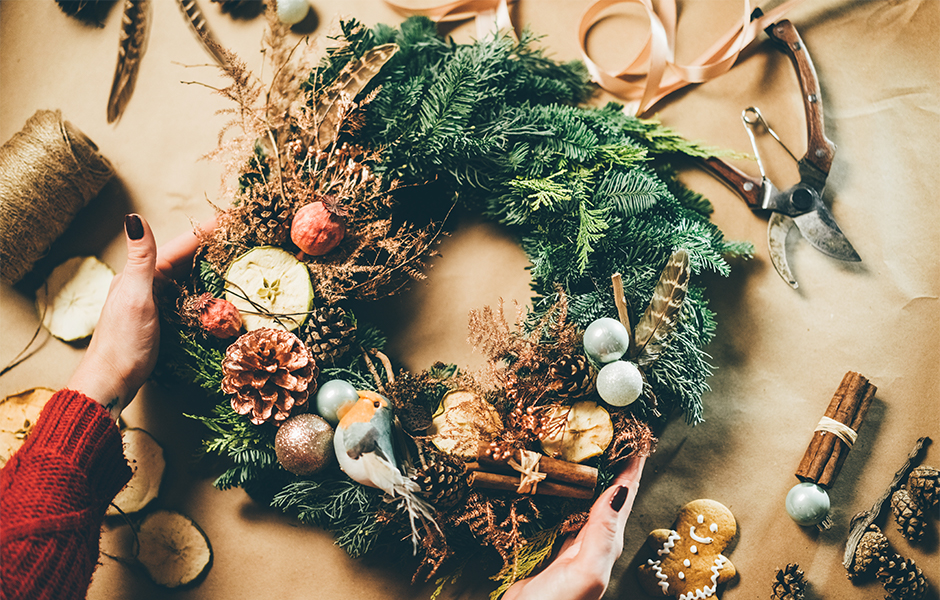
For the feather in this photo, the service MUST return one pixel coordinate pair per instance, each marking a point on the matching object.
(659, 320)
(135, 25)
(352, 79)
(197, 21)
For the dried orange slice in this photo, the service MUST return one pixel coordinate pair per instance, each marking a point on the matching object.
(585, 430)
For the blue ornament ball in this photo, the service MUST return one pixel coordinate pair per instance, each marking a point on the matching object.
(807, 504)
(606, 340)
(619, 383)
(291, 12)
(332, 395)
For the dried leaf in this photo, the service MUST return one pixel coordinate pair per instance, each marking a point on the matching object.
(135, 26)
(659, 320)
(353, 78)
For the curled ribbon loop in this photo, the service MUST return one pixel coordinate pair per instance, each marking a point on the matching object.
(530, 476)
(840, 430)
(490, 15)
(653, 74)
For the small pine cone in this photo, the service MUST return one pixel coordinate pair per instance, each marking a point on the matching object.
(902, 579)
(909, 515)
(328, 334)
(572, 376)
(789, 583)
(268, 372)
(869, 551)
(442, 478)
(924, 485)
(268, 217)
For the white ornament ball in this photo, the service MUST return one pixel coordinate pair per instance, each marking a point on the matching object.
(606, 340)
(291, 12)
(619, 383)
(333, 395)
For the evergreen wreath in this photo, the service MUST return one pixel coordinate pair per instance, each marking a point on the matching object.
(390, 130)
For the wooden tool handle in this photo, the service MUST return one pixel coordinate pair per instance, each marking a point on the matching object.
(749, 188)
(819, 149)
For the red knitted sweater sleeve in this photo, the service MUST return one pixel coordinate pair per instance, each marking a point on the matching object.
(53, 495)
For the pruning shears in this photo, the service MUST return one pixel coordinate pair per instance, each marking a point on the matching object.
(800, 205)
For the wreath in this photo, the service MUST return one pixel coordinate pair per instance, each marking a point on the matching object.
(346, 173)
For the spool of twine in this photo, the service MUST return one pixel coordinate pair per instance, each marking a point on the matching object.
(49, 171)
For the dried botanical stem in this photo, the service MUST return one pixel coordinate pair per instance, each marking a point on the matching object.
(386, 363)
(622, 310)
(862, 520)
(375, 374)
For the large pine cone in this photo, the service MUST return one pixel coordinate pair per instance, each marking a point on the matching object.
(869, 551)
(909, 515)
(789, 583)
(924, 485)
(269, 371)
(442, 478)
(572, 376)
(328, 334)
(903, 580)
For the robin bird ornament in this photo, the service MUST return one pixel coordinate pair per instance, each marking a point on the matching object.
(365, 450)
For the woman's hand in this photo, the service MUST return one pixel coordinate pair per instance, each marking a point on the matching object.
(581, 571)
(123, 349)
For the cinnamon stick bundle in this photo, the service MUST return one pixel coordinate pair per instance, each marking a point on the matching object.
(827, 451)
(554, 469)
(496, 481)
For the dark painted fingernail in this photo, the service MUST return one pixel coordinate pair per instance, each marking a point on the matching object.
(620, 496)
(133, 227)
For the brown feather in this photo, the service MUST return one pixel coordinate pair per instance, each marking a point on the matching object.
(197, 22)
(351, 80)
(659, 320)
(135, 25)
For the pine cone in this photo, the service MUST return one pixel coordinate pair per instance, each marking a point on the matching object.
(789, 583)
(924, 485)
(572, 376)
(269, 371)
(909, 515)
(903, 580)
(869, 551)
(328, 334)
(268, 217)
(442, 478)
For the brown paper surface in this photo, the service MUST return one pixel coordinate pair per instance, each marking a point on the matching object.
(779, 354)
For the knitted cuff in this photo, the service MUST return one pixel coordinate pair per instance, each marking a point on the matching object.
(82, 432)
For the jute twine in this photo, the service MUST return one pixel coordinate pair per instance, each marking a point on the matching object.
(49, 171)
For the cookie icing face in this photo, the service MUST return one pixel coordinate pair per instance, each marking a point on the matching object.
(690, 565)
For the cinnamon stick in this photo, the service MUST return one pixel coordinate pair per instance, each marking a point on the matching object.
(826, 452)
(495, 481)
(554, 469)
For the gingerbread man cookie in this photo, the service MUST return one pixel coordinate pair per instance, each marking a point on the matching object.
(687, 561)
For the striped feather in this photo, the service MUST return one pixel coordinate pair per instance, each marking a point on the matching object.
(653, 329)
(135, 25)
(351, 80)
(197, 22)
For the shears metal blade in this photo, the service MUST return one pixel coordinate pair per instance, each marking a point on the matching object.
(800, 205)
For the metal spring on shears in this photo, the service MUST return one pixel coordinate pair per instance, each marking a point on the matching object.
(752, 117)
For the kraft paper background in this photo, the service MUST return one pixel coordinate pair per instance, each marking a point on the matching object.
(779, 353)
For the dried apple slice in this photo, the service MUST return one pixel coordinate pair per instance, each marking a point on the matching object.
(172, 548)
(71, 300)
(585, 432)
(145, 456)
(462, 422)
(18, 414)
(270, 288)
